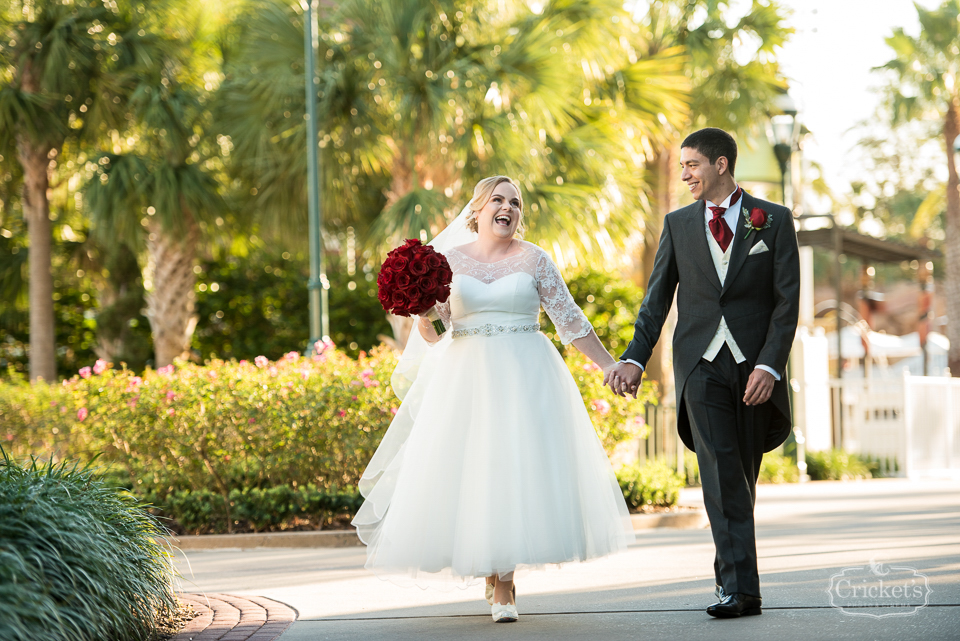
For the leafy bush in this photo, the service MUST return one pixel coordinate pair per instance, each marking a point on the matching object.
(257, 509)
(258, 305)
(77, 558)
(203, 442)
(836, 465)
(616, 418)
(777, 468)
(652, 484)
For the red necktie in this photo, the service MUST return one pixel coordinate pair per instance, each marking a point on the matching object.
(718, 226)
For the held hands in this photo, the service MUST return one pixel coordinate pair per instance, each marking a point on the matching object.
(624, 378)
(759, 387)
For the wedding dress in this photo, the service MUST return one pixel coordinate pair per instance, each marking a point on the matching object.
(491, 463)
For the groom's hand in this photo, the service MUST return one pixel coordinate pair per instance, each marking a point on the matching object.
(623, 378)
(759, 387)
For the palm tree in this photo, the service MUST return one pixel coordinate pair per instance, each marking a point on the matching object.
(58, 66)
(926, 86)
(162, 192)
(419, 98)
(725, 93)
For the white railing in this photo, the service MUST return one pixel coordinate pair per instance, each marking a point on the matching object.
(868, 419)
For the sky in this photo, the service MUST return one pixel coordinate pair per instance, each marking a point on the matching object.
(828, 62)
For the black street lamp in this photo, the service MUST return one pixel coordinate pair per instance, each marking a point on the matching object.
(785, 134)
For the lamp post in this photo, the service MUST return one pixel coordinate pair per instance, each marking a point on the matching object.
(318, 284)
(785, 136)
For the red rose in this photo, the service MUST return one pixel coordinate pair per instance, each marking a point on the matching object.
(402, 280)
(434, 261)
(418, 267)
(758, 217)
(428, 284)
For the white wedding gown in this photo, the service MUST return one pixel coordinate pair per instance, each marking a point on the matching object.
(491, 463)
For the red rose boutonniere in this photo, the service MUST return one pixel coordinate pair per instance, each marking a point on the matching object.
(755, 220)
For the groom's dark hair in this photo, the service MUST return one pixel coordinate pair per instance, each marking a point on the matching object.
(713, 143)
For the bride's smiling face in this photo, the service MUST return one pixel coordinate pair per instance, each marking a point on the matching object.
(500, 215)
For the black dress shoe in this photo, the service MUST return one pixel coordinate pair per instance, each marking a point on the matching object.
(736, 605)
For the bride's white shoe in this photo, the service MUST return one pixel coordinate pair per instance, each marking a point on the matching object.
(504, 613)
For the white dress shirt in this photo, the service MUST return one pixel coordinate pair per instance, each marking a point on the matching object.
(721, 259)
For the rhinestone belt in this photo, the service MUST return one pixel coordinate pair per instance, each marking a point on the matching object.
(494, 330)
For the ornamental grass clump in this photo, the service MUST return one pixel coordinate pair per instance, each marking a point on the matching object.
(78, 559)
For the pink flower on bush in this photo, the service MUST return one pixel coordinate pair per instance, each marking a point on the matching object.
(132, 403)
(171, 395)
(600, 406)
(243, 362)
(166, 370)
(85, 372)
(82, 414)
(638, 422)
(353, 398)
(171, 412)
(273, 371)
(394, 410)
(251, 420)
(261, 361)
(343, 413)
(291, 356)
(591, 367)
(100, 366)
(134, 383)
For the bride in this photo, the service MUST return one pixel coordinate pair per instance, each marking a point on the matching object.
(491, 463)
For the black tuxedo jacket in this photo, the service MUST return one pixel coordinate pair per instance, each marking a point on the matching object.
(760, 300)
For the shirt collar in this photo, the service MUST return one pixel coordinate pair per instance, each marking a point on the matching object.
(726, 201)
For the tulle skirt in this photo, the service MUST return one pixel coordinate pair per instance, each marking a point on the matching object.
(490, 465)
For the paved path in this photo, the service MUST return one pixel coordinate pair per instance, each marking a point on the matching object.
(657, 589)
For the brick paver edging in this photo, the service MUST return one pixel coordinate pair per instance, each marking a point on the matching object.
(225, 617)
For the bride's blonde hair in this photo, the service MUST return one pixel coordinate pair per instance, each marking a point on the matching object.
(482, 193)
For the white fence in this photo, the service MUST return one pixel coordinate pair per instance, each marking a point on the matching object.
(910, 425)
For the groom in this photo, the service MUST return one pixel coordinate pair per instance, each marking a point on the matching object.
(734, 264)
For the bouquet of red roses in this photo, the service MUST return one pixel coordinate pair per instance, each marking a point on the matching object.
(413, 279)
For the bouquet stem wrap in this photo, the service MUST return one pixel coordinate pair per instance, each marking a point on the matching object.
(435, 319)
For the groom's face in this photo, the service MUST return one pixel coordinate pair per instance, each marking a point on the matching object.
(701, 176)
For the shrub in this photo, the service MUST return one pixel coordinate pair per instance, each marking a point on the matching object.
(609, 301)
(652, 484)
(190, 437)
(77, 558)
(777, 468)
(258, 509)
(836, 465)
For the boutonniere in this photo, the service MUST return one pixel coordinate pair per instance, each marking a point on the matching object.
(755, 220)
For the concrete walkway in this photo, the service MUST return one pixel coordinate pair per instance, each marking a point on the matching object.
(659, 588)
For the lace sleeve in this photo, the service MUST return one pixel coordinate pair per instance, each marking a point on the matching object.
(570, 321)
(444, 310)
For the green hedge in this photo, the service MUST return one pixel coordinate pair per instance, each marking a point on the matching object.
(230, 427)
(653, 484)
(78, 559)
(837, 465)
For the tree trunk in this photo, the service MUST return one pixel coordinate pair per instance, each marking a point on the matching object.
(36, 208)
(663, 172)
(34, 157)
(951, 130)
(170, 303)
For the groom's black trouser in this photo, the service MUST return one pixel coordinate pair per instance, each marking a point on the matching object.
(729, 437)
